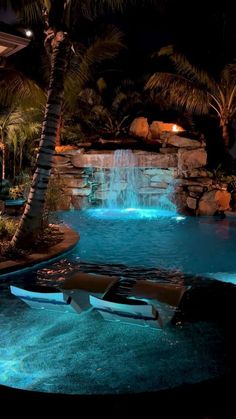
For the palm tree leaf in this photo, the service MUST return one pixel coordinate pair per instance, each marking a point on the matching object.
(180, 92)
(186, 69)
(82, 67)
(15, 87)
(28, 10)
(165, 80)
(16, 4)
(91, 9)
(31, 13)
(231, 69)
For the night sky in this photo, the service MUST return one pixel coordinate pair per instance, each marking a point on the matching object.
(203, 30)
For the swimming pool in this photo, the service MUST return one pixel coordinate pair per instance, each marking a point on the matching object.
(156, 239)
(83, 354)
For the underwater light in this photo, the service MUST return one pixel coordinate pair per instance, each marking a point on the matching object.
(132, 213)
(180, 217)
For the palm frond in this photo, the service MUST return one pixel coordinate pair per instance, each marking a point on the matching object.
(119, 99)
(16, 5)
(180, 92)
(31, 13)
(82, 67)
(15, 88)
(186, 69)
(228, 78)
(165, 80)
(91, 9)
(229, 70)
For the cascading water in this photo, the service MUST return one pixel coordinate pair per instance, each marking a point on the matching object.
(165, 202)
(124, 181)
(129, 187)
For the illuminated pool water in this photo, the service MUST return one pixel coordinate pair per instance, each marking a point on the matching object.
(158, 239)
(83, 354)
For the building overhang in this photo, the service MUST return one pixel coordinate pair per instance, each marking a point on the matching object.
(10, 44)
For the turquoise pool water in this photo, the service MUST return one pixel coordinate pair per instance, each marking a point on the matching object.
(83, 354)
(157, 239)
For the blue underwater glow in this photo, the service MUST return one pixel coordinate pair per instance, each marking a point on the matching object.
(69, 353)
(155, 238)
(82, 354)
(126, 185)
(131, 213)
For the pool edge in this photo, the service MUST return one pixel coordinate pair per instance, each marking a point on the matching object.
(70, 239)
(210, 398)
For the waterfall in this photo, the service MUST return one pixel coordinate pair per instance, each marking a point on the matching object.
(165, 202)
(124, 176)
(129, 185)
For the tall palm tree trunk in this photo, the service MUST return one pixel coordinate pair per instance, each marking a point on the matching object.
(3, 161)
(58, 137)
(3, 148)
(226, 135)
(30, 222)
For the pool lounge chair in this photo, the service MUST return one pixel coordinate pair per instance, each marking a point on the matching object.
(43, 298)
(121, 299)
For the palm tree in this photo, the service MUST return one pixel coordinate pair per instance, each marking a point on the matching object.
(10, 120)
(23, 136)
(16, 127)
(196, 91)
(83, 63)
(15, 89)
(58, 44)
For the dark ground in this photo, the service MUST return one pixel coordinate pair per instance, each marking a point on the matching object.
(213, 399)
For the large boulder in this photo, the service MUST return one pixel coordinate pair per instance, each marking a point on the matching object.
(155, 130)
(73, 182)
(139, 127)
(95, 159)
(154, 160)
(181, 202)
(177, 141)
(196, 173)
(191, 159)
(191, 202)
(79, 202)
(214, 201)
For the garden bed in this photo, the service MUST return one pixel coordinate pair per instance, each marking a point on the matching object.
(55, 240)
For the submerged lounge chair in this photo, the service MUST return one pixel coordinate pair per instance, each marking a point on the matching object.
(141, 302)
(43, 298)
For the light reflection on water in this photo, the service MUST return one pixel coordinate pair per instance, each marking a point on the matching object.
(85, 355)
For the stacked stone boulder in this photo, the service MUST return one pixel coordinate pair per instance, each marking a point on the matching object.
(179, 162)
(74, 181)
(196, 191)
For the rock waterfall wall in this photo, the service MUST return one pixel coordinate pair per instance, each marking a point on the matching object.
(179, 161)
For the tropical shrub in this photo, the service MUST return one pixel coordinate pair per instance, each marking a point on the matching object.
(7, 228)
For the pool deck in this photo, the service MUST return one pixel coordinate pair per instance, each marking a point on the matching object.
(70, 239)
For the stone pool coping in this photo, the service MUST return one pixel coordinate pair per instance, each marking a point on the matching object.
(70, 239)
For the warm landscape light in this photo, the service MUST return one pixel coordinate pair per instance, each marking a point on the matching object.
(176, 128)
(28, 33)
